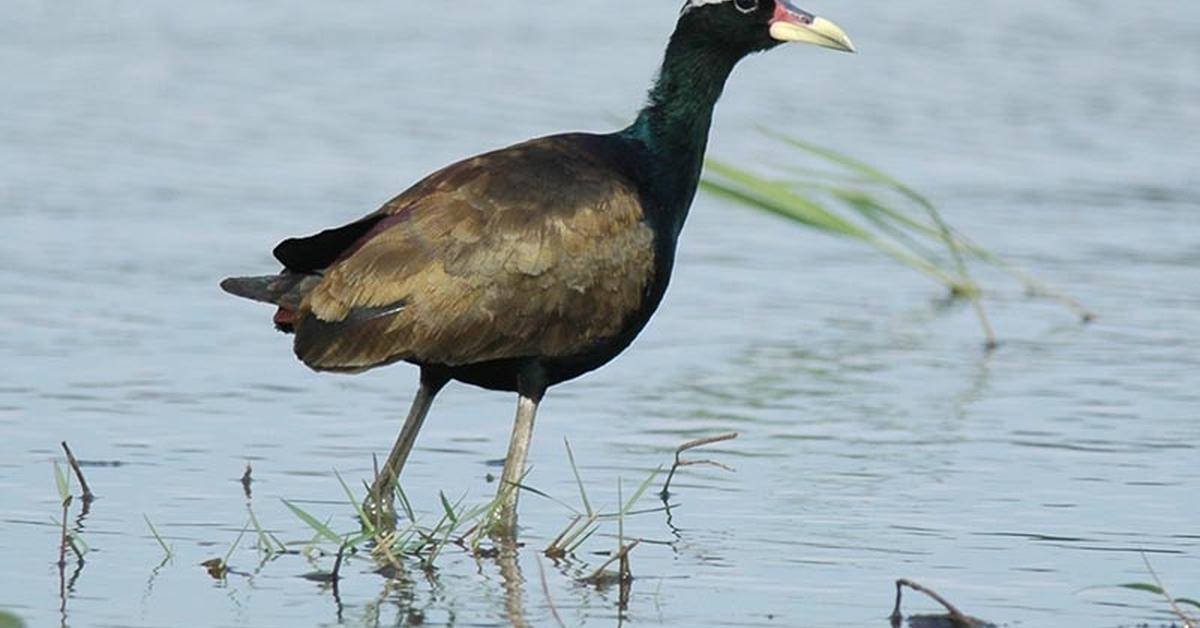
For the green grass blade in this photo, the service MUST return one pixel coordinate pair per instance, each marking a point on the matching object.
(882, 218)
(362, 515)
(265, 538)
(1143, 586)
(236, 542)
(641, 490)
(362, 537)
(620, 516)
(748, 189)
(158, 537)
(62, 481)
(8, 620)
(588, 528)
(587, 506)
(743, 187)
(451, 516)
(405, 504)
(948, 237)
(78, 545)
(860, 168)
(576, 544)
(765, 194)
(1157, 590)
(321, 529)
(543, 494)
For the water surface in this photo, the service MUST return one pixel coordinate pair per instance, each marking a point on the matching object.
(150, 149)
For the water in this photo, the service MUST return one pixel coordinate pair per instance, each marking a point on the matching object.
(150, 149)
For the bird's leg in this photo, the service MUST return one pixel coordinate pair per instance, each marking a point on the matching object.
(531, 386)
(379, 505)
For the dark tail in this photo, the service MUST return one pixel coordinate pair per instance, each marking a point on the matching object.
(285, 290)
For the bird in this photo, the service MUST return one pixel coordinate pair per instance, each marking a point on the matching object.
(528, 266)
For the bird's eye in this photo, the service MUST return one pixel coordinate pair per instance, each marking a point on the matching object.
(746, 6)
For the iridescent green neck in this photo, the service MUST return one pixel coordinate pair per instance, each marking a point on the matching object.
(675, 122)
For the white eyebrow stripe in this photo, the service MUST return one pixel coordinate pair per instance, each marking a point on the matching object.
(692, 4)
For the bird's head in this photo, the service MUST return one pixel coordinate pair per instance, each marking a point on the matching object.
(755, 25)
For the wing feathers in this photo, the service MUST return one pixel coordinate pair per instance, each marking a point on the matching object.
(316, 252)
(537, 250)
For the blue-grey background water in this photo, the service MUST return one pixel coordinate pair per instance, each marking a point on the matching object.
(148, 149)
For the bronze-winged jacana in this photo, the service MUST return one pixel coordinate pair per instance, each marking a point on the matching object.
(528, 266)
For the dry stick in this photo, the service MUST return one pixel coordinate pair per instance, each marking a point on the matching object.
(595, 577)
(1188, 621)
(571, 540)
(699, 442)
(555, 550)
(955, 614)
(87, 492)
(546, 591)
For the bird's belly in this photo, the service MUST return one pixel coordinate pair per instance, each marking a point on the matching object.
(502, 374)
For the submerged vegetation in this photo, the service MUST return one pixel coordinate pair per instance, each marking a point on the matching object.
(848, 198)
(456, 524)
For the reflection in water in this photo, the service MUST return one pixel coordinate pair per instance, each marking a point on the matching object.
(149, 589)
(514, 583)
(546, 592)
(65, 587)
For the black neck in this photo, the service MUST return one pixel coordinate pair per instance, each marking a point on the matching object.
(675, 122)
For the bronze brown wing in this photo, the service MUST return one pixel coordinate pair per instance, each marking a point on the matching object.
(537, 250)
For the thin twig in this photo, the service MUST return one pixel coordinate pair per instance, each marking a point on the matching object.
(623, 553)
(158, 537)
(554, 549)
(87, 492)
(956, 615)
(693, 444)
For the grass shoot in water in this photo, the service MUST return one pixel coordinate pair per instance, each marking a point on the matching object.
(851, 199)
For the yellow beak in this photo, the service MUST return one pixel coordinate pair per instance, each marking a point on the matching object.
(791, 24)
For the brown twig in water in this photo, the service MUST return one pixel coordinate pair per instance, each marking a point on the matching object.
(546, 591)
(699, 442)
(956, 616)
(87, 492)
(555, 548)
(623, 555)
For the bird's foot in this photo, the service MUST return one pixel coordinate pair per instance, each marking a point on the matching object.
(378, 509)
(502, 526)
